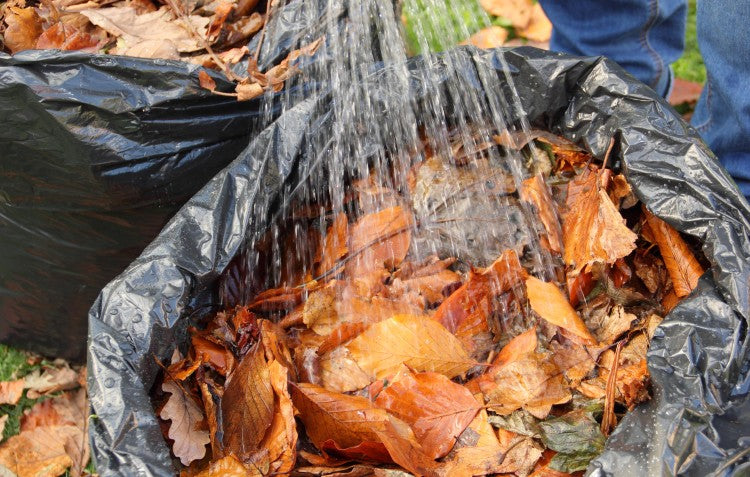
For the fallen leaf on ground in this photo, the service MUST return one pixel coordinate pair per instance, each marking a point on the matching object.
(24, 27)
(434, 406)
(518, 12)
(539, 27)
(487, 38)
(49, 381)
(189, 439)
(11, 391)
(535, 191)
(419, 342)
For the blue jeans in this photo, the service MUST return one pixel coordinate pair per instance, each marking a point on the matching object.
(646, 36)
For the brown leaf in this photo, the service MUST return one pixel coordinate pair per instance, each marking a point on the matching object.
(539, 27)
(436, 408)
(479, 452)
(334, 244)
(682, 266)
(419, 342)
(189, 439)
(3, 420)
(549, 302)
(608, 327)
(535, 191)
(379, 239)
(153, 35)
(466, 308)
(246, 92)
(206, 81)
(228, 466)
(404, 449)
(50, 381)
(593, 229)
(11, 391)
(517, 11)
(62, 37)
(487, 38)
(212, 354)
(24, 27)
(346, 421)
(247, 405)
(222, 11)
(339, 372)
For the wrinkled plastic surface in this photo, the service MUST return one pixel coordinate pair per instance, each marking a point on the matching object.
(698, 420)
(98, 152)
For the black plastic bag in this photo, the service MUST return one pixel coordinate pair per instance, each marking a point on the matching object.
(697, 421)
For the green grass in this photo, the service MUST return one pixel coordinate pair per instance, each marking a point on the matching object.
(690, 66)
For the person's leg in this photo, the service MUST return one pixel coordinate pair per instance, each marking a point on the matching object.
(722, 115)
(643, 36)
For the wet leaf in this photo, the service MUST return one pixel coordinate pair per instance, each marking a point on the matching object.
(593, 229)
(419, 342)
(549, 302)
(608, 327)
(380, 239)
(434, 406)
(335, 244)
(683, 267)
(339, 372)
(228, 466)
(206, 81)
(189, 438)
(535, 191)
(403, 448)
(24, 27)
(576, 437)
(340, 419)
(248, 404)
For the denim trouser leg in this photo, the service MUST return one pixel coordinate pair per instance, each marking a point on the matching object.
(722, 115)
(643, 36)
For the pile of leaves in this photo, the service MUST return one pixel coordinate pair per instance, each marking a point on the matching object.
(43, 418)
(209, 33)
(483, 23)
(372, 356)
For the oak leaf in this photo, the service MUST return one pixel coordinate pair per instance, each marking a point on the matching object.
(549, 302)
(593, 229)
(419, 342)
(436, 408)
(50, 380)
(681, 264)
(189, 439)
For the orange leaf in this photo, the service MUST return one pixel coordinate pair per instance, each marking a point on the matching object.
(228, 466)
(62, 37)
(434, 406)
(347, 421)
(419, 342)
(682, 266)
(248, 91)
(499, 277)
(379, 239)
(206, 81)
(549, 302)
(24, 27)
(593, 229)
(487, 38)
(535, 191)
(517, 11)
(404, 449)
(216, 356)
(11, 391)
(247, 404)
(334, 244)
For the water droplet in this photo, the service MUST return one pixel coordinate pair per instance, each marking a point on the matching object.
(109, 383)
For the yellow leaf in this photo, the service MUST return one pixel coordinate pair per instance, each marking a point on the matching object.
(549, 302)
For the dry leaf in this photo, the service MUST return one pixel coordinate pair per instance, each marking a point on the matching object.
(419, 342)
(682, 266)
(62, 37)
(11, 391)
(189, 439)
(487, 38)
(608, 327)
(206, 81)
(246, 92)
(50, 381)
(228, 466)
(436, 408)
(3, 421)
(157, 28)
(24, 27)
(539, 28)
(549, 302)
(517, 11)
(247, 405)
(593, 229)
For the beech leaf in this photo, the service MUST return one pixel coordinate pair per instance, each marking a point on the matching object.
(434, 406)
(681, 264)
(549, 302)
(24, 27)
(419, 342)
(11, 391)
